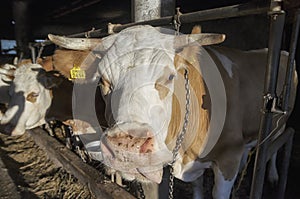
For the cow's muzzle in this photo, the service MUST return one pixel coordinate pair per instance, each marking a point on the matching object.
(128, 148)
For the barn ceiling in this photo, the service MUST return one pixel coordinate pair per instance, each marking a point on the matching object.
(73, 16)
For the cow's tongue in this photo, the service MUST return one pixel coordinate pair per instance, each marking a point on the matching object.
(154, 176)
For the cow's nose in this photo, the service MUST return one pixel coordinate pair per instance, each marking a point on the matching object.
(133, 140)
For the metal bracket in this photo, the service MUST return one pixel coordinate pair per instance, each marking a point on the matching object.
(271, 105)
(176, 20)
(88, 33)
(276, 8)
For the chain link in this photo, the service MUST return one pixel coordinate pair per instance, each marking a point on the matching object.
(177, 22)
(140, 190)
(181, 135)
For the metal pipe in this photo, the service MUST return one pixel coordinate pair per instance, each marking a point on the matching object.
(277, 17)
(283, 174)
(204, 15)
(144, 10)
(291, 61)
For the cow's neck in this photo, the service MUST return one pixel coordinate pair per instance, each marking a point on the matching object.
(199, 117)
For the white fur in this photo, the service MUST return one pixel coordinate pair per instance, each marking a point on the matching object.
(29, 115)
(222, 187)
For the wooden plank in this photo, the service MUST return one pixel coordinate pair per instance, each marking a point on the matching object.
(86, 174)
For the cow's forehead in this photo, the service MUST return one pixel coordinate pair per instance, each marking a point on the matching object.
(143, 47)
(26, 77)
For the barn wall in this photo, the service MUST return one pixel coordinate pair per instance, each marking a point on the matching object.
(250, 32)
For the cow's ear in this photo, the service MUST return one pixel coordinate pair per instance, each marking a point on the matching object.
(201, 39)
(49, 79)
(52, 82)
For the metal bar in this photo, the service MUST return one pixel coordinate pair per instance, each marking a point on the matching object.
(291, 61)
(283, 174)
(204, 15)
(277, 17)
(280, 141)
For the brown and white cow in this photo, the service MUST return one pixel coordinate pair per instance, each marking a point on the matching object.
(143, 84)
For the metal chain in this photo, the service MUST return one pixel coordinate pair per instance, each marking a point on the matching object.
(181, 135)
(177, 22)
(140, 190)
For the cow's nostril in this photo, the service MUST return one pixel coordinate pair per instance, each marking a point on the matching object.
(147, 146)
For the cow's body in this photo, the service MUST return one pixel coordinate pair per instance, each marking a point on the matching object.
(243, 77)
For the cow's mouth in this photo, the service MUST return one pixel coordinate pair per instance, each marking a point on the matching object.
(132, 166)
(141, 156)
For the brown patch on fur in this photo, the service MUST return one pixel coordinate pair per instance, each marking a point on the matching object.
(31, 97)
(46, 62)
(162, 90)
(78, 125)
(196, 30)
(24, 62)
(64, 60)
(161, 82)
(105, 86)
(198, 122)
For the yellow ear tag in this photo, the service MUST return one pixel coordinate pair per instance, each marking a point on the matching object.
(77, 73)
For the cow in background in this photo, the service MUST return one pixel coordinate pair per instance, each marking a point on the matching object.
(38, 95)
(6, 76)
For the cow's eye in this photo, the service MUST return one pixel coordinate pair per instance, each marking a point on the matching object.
(31, 97)
(171, 77)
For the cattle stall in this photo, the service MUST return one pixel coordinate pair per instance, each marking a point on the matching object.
(274, 14)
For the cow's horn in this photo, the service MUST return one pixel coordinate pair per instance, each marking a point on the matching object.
(9, 67)
(74, 43)
(202, 39)
(7, 72)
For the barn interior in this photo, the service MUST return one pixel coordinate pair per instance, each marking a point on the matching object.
(27, 23)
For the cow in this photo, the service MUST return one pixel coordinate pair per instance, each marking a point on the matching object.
(7, 71)
(6, 74)
(38, 95)
(148, 79)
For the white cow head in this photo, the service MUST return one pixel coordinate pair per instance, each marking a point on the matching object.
(139, 69)
(30, 99)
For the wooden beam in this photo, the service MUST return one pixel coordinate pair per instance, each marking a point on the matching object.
(86, 174)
